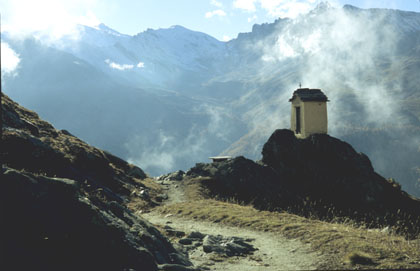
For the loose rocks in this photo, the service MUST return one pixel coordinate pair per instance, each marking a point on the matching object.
(228, 246)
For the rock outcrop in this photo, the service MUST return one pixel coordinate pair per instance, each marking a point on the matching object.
(63, 203)
(325, 168)
(227, 246)
(35, 145)
(245, 181)
(174, 176)
(320, 175)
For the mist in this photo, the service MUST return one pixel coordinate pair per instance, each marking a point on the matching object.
(355, 57)
(167, 99)
(162, 151)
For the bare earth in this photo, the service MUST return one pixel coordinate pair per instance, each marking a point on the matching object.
(274, 252)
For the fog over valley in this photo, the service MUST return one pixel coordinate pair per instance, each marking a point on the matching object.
(166, 99)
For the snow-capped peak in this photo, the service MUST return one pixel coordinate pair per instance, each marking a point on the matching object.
(179, 27)
(108, 30)
(323, 5)
(321, 8)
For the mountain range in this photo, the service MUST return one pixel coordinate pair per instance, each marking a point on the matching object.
(165, 99)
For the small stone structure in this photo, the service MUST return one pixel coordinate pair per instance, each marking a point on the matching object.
(309, 112)
(220, 158)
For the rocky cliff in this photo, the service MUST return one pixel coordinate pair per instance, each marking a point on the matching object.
(63, 203)
(318, 176)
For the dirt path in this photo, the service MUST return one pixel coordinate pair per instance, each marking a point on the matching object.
(273, 252)
(175, 193)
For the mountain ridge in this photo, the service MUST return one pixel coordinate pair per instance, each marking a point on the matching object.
(223, 94)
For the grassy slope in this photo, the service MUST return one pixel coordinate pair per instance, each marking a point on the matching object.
(346, 244)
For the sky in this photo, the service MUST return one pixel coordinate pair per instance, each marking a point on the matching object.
(222, 19)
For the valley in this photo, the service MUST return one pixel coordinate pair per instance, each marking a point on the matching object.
(165, 99)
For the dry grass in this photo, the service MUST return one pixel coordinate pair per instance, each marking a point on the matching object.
(137, 203)
(346, 245)
(194, 190)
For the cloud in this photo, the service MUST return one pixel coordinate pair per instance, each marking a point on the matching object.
(89, 19)
(159, 152)
(121, 67)
(226, 38)
(338, 51)
(279, 8)
(217, 12)
(50, 19)
(140, 65)
(153, 157)
(216, 3)
(217, 127)
(253, 18)
(9, 60)
(286, 9)
(340, 55)
(247, 5)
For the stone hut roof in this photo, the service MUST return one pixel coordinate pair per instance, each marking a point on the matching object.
(307, 94)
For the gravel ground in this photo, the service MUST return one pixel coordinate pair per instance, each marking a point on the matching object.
(274, 252)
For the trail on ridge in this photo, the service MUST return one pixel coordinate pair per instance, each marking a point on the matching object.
(274, 252)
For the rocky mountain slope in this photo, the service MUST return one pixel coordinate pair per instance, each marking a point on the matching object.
(318, 176)
(67, 205)
(181, 96)
(63, 203)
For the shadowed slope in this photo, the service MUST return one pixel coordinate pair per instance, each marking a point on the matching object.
(63, 203)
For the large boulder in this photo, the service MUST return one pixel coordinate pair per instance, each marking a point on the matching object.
(48, 224)
(244, 181)
(325, 168)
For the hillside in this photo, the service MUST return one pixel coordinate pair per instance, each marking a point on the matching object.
(63, 203)
(319, 175)
(310, 204)
(317, 190)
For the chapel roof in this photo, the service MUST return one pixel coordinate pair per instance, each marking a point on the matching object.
(307, 94)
